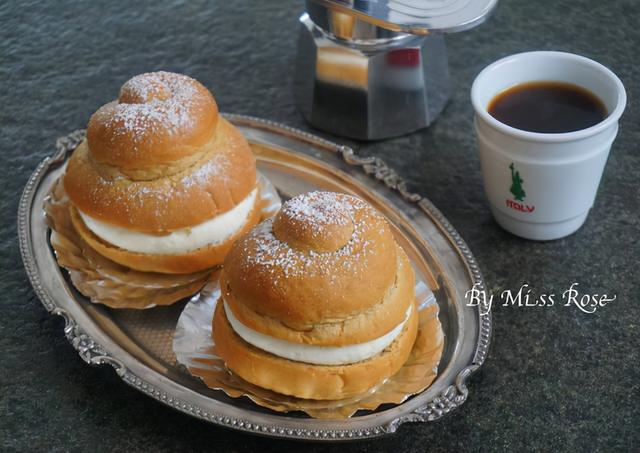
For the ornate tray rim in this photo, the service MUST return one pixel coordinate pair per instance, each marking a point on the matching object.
(94, 353)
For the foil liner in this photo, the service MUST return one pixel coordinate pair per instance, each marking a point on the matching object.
(194, 348)
(107, 282)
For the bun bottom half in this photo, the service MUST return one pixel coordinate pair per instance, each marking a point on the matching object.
(186, 263)
(304, 380)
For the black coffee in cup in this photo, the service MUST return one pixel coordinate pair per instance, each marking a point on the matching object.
(548, 107)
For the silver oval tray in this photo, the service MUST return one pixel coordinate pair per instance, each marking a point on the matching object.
(137, 343)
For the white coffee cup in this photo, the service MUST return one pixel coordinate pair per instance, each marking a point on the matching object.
(559, 174)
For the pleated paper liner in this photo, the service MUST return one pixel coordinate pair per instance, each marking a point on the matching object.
(194, 348)
(107, 282)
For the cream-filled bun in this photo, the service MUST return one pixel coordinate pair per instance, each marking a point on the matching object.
(317, 302)
(162, 182)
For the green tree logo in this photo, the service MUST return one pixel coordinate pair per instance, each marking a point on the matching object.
(516, 184)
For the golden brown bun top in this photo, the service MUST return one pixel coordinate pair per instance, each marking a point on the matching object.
(159, 118)
(160, 158)
(324, 257)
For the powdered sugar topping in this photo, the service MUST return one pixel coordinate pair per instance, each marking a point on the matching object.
(270, 254)
(318, 211)
(154, 100)
(216, 167)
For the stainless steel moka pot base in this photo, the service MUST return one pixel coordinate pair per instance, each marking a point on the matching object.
(376, 69)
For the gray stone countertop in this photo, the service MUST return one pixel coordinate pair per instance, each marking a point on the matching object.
(555, 379)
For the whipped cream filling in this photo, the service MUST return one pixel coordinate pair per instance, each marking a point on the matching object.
(317, 355)
(184, 240)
